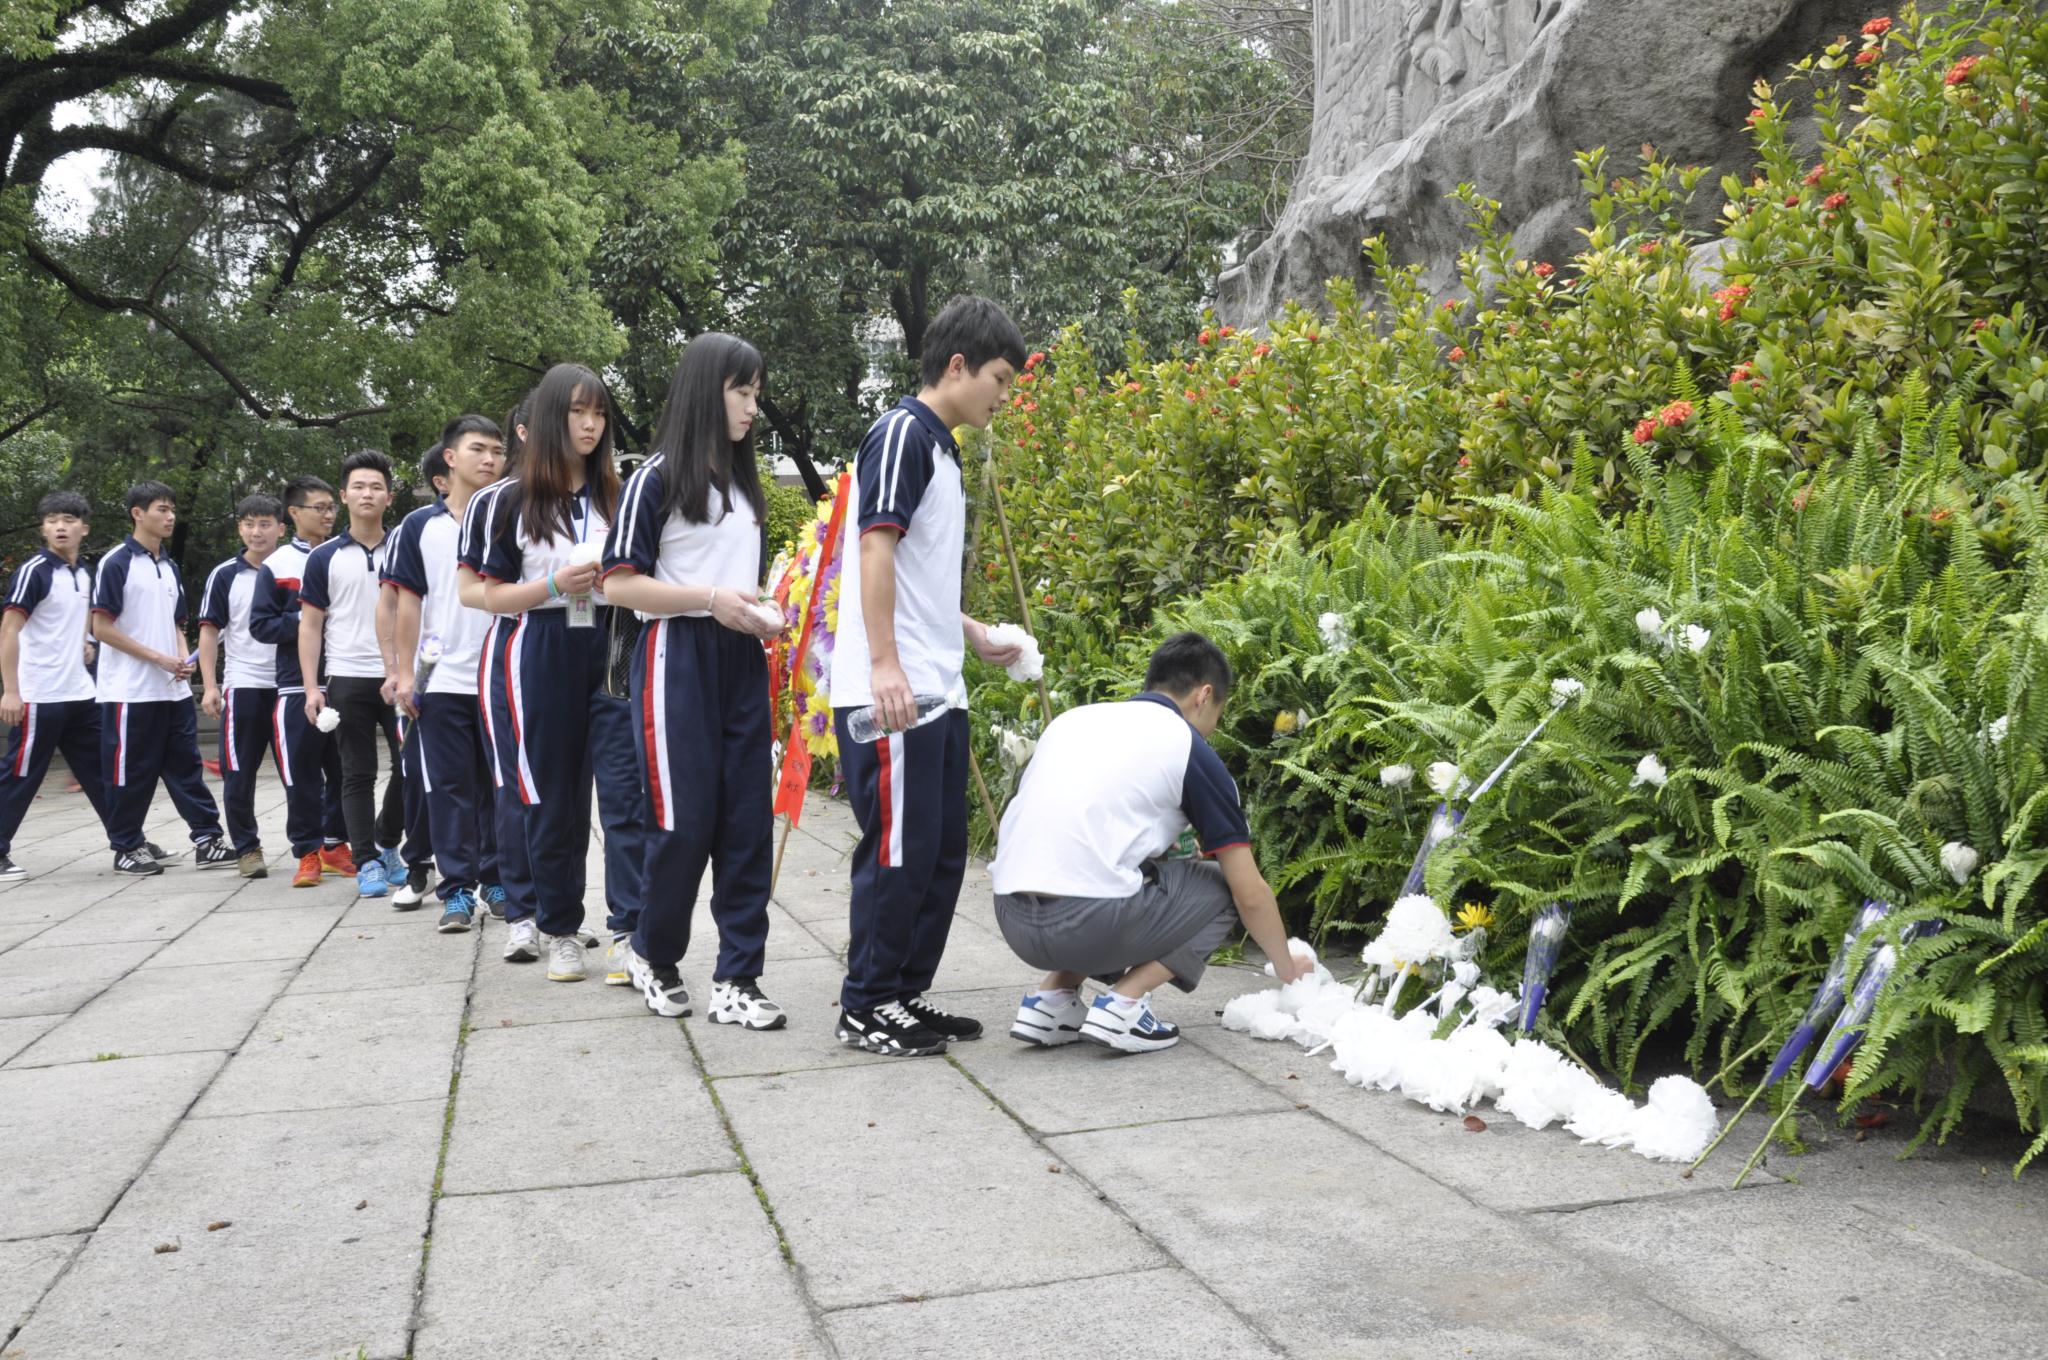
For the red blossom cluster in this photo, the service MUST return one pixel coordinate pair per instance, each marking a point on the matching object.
(1757, 115)
(1647, 248)
(1878, 27)
(1867, 57)
(1834, 202)
(1037, 358)
(1646, 430)
(1980, 323)
(1817, 174)
(1744, 373)
(1261, 351)
(1457, 354)
(1545, 270)
(1961, 71)
(1730, 299)
(1675, 415)
(1205, 337)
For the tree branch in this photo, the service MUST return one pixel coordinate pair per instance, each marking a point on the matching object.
(92, 136)
(31, 418)
(303, 238)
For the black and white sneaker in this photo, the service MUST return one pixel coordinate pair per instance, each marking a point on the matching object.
(955, 1028)
(1128, 1028)
(215, 854)
(890, 1030)
(738, 1001)
(661, 986)
(413, 891)
(9, 869)
(159, 854)
(137, 862)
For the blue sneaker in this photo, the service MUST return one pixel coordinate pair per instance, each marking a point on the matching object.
(394, 865)
(1128, 1028)
(458, 913)
(493, 898)
(370, 881)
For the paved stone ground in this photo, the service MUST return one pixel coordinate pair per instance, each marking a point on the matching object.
(243, 1120)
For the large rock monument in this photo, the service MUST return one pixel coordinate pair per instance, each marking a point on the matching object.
(1414, 97)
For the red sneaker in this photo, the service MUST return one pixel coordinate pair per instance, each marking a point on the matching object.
(212, 766)
(308, 875)
(337, 862)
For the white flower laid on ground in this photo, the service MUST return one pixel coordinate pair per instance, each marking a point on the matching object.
(1445, 779)
(1564, 689)
(1995, 733)
(1959, 860)
(1015, 746)
(1029, 666)
(1336, 636)
(1397, 776)
(1695, 638)
(1370, 1046)
(1651, 771)
(1417, 931)
(1650, 624)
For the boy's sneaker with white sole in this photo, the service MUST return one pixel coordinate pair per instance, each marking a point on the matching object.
(135, 862)
(661, 986)
(565, 958)
(953, 1028)
(1128, 1027)
(493, 897)
(458, 913)
(1047, 1022)
(10, 870)
(891, 1031)
(214, 854)
(617, 972)
(738, 1001)
(522, 941)
(413, 891)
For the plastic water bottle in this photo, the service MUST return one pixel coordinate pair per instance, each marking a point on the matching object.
(866, 724)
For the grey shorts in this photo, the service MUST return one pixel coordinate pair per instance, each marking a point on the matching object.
(1179, 917)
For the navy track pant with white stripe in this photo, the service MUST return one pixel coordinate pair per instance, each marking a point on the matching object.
(418, 849)
(244, 739)
(309, 762)
(566, 732)
(494, 707)
(72, 727)
(909, 794)
(141, 743)
(455, 787)
(703, 731)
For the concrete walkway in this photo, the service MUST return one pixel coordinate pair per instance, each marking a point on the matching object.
(243, 1120)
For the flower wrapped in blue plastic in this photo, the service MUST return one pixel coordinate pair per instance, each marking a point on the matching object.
(1850, 1024)
(1834, 985)
(1546, 939)
(1443, 824)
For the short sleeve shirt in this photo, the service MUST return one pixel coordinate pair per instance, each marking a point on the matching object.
(140, 591)
(54, 599)
(1109, 787)
(508, 551)
(342, 578)
(274, 617)
(906, 479)
(226, 603)
(422, 563)
(725, 552)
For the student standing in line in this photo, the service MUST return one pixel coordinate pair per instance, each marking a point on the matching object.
(307, 758)
(687, 555)
(900, 640)
(454, 771)
(45, 645)
(338, 626)
(418, 850)
(541, 539)
(244, 696)
(147, 727)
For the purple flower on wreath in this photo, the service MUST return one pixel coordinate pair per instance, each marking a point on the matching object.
(821, 723)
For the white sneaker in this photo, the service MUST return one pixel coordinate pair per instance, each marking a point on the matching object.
(738, 1001)
(1130, 1028)
(565, 958)
(522, 941)
(1049, 1023)
(616, 971)
(661, 988)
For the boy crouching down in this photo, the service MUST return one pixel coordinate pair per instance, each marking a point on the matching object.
(1083, 888)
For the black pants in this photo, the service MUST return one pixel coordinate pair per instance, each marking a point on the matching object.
(363, 715)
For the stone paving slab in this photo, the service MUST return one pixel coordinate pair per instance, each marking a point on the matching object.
(44, 981)
(581, 1120)
(239, 937)
(808, 992)
(656, 1268)
(77, 1135)
(20, 1031)
(344, 1048)
(841, 1152)
(127, 917)
(358, 958)
(326, 1212)
(1332, 1247)
(504, 994)
(27, 1269)
(165, 1010)
(1159, 1314)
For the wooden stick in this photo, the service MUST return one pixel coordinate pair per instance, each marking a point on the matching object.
(995, 489)
(988, 804)
(788, 826)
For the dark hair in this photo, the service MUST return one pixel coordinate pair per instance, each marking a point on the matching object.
(974, 328)
(1184, 663)
(301, 488)
(694, 439)
(517, 418)
(64, 503)
(543, 494)
(259, 505)
(470, 424)
(145, 494)
(434, 463)
(366, 458)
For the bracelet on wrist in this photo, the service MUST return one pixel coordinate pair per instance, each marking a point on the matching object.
(553, 593)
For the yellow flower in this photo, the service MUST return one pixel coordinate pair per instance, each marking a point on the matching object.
(1284, 723)
(1476, 916)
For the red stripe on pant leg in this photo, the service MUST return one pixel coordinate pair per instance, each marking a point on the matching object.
(28, 733)
(647, 732)
(512, 708)
(882, 781)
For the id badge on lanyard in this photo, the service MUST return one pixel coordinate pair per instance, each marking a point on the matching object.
(582, 607)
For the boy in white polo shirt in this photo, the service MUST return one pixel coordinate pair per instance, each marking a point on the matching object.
(45, 642)
(338, 618)
(899, 641)
(242, 691)
(147, 726)
(1083, 887)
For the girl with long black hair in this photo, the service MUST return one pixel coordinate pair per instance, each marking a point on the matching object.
(534, 539)
(687, 556)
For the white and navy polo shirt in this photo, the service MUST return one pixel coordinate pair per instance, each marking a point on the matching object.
(140, 591)
(54, 597)
(422, 563)
(226, 603)
(1110, 787)
(725, 553)
(497, 549)
(906, 477)
(274, 613)
(341, 577)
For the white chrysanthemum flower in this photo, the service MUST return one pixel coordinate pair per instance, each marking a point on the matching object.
(1444, 778)
(1960, 861)
(1416, 931)
(1998, 729)
(1651, 771)
(1649, 623)
(1016, 747)
(1550, 926)
(1564, 689)
(1336, 636)
(1397, 776)
(1696, 638)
